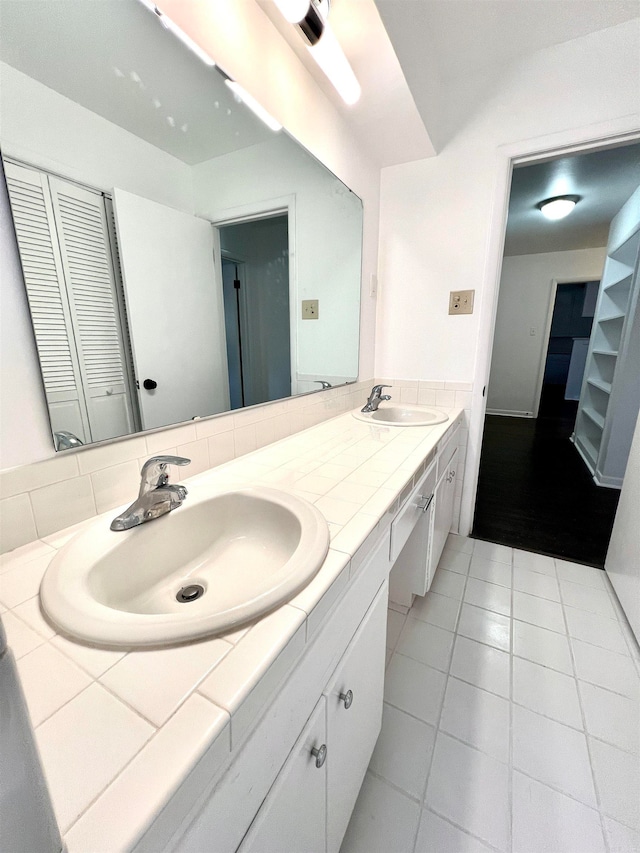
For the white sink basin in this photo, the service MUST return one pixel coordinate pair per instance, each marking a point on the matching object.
(403, 415)
(250, 550)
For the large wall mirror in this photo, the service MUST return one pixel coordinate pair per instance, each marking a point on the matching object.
(181, 259)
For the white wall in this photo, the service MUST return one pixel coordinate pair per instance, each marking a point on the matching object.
(440, 217)
(524, 303)
(623, 557)
(327, 233)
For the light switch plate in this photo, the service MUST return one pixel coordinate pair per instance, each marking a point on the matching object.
(310, 309)
(461, 301)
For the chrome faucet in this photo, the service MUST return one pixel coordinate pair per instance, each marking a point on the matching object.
(323, 383)
(375, 398)
(156, 497)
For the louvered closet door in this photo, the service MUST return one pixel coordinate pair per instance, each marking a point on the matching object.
(50, 313)
(86, 258)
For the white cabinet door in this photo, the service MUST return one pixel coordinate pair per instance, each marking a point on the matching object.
(293, 815)
(354, 716)
(443, 512)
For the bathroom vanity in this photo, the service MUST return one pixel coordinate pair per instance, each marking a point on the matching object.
(264, 747)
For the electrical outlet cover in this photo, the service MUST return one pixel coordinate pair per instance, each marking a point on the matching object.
(310, 309)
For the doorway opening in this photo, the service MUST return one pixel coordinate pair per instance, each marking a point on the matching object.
(535, 490)
(255, 277)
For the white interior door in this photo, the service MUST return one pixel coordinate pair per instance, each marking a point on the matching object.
(175, 310)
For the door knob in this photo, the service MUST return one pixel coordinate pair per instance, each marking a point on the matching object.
(149, 384)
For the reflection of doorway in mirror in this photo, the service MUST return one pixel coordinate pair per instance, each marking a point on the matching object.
(255, 274)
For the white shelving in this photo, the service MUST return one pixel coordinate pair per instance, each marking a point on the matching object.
(610, 394)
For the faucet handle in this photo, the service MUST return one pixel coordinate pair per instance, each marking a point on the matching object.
(378, 388)
(154, 471)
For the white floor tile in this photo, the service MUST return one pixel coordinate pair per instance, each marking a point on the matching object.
(587, 598)
(85, 745)
(471, 789)
(383, 820)
(535, 583)
(545, 821)
(553, 754)
(395, 621)
(460, 543)
(448, 583)
(611, 717)
(477, 717)
(21, 638)
(538, 611)
(403, 751)
(437, 835)
(534, 562)
(542, 646)
(488, 627)
(491, 596)
(617, 776)
(426, 643)
(414, 688)
(436, 609)
(481, 665)
(491, 551)
(605, 668)
(622, 839)
(547, 692)
(490, 570)
(455, 561)
(585, 575)
(595, 629)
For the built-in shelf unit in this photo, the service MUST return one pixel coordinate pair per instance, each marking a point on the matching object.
(610, 396)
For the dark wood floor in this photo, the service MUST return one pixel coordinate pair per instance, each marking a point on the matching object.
(535, 493)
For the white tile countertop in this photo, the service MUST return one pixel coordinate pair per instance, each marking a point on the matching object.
(118, 731)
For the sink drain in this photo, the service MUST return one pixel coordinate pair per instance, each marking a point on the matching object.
(190, 593)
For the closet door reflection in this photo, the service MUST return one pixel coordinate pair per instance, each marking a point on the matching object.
(66, 250)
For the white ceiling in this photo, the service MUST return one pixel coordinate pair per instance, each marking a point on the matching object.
(603, 179)
(114, 58)
(455, 45)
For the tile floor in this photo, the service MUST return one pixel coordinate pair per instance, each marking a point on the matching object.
(511, 716)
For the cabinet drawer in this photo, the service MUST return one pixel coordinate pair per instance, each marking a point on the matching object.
(410, 514)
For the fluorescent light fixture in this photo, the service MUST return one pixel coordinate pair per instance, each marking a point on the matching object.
(293, 11)
(253, 105)
(558, 207)
(310, 17)
(186, 40)
(331, 59)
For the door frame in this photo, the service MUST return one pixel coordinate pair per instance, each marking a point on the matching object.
(547, 333)
(283, 205)
(576, 140)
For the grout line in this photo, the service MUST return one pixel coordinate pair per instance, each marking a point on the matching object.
(584, 725)
(439, 715)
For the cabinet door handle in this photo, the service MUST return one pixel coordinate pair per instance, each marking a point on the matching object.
(347, 698)
(320, 754)
(425, 502)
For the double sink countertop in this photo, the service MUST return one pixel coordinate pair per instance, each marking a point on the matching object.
(120, 731)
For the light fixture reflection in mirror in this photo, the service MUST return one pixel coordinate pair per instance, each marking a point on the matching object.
(138, 185)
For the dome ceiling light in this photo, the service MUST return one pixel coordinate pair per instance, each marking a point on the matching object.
(558, 207)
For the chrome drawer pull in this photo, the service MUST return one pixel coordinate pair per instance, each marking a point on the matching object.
(347, 698)
(427, 502)
(320, 754)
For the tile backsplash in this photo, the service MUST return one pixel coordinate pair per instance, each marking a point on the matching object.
(40, 499)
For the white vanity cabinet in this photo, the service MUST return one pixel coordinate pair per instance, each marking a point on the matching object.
(293, 816)
(309, 805)
(354, 716)
(443, 512)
